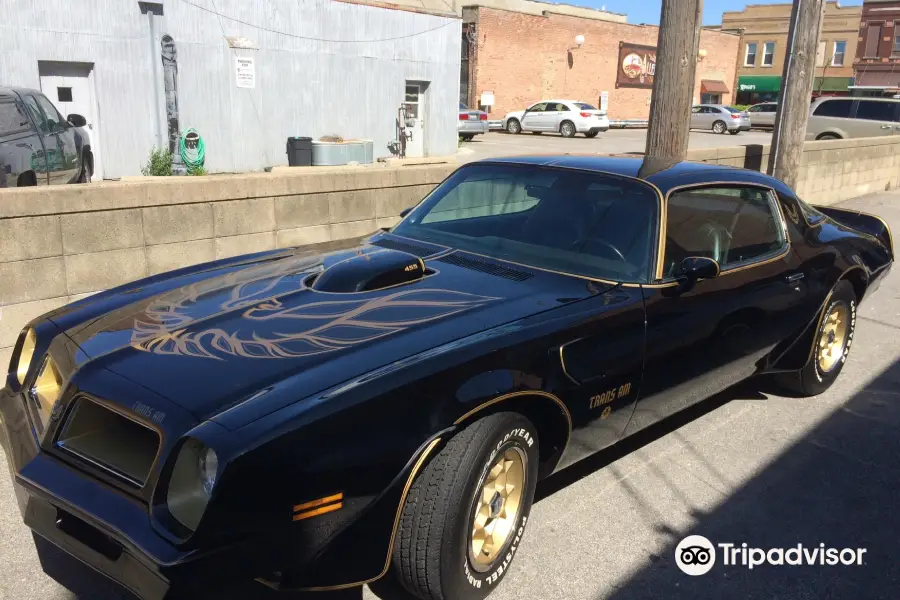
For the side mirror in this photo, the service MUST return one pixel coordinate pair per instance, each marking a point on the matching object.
(76, 120)
(405, 212)
(694, 268)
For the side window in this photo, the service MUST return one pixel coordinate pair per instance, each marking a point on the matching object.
(755, 109)
(733, 225)
(539, 107)
(769, 108)
(834, 108)
(563, 108)
(872, 110)
(696, 110)
(36, 113)
(12, 118)
(55, 120)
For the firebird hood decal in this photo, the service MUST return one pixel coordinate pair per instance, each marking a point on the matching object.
(208, 340)
(310, 329)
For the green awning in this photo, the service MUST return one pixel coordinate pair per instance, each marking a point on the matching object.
(759, 83)
(832, 84)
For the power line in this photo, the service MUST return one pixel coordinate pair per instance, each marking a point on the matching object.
(315, 39)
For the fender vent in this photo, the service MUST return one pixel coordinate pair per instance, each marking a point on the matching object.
(408, 247)
(484, 266)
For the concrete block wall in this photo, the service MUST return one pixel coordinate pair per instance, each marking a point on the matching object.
(60, 244)
(831, 171)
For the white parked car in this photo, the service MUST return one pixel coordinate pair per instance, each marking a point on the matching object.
(566, 117)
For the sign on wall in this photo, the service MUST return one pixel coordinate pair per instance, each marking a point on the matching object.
(245, 72)
(637, 66)
(604, 100)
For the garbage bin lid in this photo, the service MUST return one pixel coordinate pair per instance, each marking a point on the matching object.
(300, 138)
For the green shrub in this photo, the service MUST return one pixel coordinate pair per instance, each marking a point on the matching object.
(159, 163)
(742, 106)
(196, 171)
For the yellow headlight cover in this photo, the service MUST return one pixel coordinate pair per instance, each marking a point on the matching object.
(47, 388)
(25, 356)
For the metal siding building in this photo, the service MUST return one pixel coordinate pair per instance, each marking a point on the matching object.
(321, 67)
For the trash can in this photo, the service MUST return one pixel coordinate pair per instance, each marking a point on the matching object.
(299, 151)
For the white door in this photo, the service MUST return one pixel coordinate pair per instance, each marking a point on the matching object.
(415, 117)
(70, 87)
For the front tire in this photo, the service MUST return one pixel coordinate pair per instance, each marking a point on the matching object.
(567, 129)
(734, 131)
(591, 134)
(830, 345)
(513, 126)
(719, 127)
(465, 515)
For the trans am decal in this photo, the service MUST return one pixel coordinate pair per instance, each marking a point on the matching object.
(291, 330)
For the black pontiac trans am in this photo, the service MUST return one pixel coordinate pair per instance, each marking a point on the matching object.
(317, 422)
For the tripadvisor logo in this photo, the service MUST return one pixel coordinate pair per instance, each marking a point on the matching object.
(696, 555)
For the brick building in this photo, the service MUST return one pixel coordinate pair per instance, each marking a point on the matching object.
(764, 30)
(523, 58)
(877, 63)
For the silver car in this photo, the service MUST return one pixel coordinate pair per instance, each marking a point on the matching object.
(719, 118)
(843, 118)
(762, 116)
(472, 122)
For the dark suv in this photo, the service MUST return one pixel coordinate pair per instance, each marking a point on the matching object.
(38, 146)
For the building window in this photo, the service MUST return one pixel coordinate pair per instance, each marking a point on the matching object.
(768, 54)
(840, 50)
(750, 55)
(896, 37)
(710, 98)
(873, 37)
(64, 94)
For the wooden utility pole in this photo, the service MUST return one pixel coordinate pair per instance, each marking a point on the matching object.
(673, 82)
(796, 90)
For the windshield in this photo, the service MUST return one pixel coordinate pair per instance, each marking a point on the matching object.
(577, 222)
(463, 106)
(583, 106)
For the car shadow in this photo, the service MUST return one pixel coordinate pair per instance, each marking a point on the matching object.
(836, 486)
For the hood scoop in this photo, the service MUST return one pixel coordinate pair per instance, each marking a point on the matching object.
(371, 271)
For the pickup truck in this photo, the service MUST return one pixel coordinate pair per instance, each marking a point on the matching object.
(38, 146)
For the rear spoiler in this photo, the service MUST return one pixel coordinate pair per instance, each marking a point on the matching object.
(864, 222)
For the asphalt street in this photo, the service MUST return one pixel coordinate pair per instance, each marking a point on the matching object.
(747, 466)
(498, 143)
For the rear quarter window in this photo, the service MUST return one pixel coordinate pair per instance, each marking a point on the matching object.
(872, 110)
(12, 118)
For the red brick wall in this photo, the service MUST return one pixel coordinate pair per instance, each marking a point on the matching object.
(522, 59)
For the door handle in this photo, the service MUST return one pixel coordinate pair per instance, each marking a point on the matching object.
(886, 126)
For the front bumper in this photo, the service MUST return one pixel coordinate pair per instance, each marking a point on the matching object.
(105, 529)
(473, 127)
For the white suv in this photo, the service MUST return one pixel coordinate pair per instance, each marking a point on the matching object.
(566, 117)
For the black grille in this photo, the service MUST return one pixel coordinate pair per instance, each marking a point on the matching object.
(485, 267)
(409, 248)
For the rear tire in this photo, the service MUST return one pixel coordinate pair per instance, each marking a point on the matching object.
(829, 136)
(447, 545)
(567, 129)
(467, 137)
(591, 134)
(734, 131)
(513, 126)
(719, 127)
(831, 345)
(26, 179)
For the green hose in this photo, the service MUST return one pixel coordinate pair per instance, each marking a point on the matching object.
(193, 158)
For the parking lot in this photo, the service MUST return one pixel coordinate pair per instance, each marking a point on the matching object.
(499, 143)
(748, 466)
